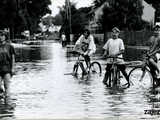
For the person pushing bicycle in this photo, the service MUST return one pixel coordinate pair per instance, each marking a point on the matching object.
(154, 50)
(114, 47)
(86, 46)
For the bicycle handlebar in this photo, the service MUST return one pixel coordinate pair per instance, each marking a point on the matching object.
(112, 57)
(75, 52)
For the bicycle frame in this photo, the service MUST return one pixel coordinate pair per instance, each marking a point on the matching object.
(148, 67)
(114, 73)
(90, 66)
(145, 68)
(79, 62)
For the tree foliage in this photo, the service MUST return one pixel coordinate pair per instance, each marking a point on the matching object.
(57, 20)
(79, 19)
(20, 15)
(7, 13)
(126, 14)
(47, 21)
(98, 3)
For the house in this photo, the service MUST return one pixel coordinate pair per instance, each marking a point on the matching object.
(148, 13)
(95, 26)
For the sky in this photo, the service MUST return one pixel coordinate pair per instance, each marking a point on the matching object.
(56, 3)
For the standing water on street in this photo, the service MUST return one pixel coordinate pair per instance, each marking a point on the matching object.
(41, 89)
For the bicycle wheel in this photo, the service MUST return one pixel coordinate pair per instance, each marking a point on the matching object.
(77, 70)
(139, 76)
(95, 67)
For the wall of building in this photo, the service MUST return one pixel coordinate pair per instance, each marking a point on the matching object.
(133, 38)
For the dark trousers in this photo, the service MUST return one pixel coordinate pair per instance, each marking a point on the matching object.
(122, 68)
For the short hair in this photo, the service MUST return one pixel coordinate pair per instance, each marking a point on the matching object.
(2, 32)
(116, 29)
(86, 31)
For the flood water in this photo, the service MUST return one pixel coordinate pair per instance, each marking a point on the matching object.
(42, 88)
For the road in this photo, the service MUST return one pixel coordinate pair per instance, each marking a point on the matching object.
(41, 89)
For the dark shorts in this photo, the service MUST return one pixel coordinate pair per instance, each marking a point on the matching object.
(120, 67)
(4, 69)
(87, 58)
(2, 74)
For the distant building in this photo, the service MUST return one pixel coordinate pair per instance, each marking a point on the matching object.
(148, 13)
(94, 25)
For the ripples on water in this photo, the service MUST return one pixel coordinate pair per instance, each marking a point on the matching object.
(42, 90)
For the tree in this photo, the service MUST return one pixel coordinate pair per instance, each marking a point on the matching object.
(47, 21)
(31, 11)
(8, 14)
(126, 14)
(79, 19)
(98, 3)
(57, 20)
(20, 15)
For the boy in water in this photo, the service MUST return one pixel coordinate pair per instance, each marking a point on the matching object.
(7, 60)
(154, 50)
(87, 47)
(114, 47)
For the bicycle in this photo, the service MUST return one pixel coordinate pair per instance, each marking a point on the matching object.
(79, 70)
(144, 75)
(114, 74)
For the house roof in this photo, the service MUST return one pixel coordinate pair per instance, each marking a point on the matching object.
(100, 7)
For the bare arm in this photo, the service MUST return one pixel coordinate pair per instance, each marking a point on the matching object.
(79, 40)
(119, 53)
(13, 63)
(105, 53)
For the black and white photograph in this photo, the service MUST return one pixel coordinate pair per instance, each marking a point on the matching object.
(79, 59)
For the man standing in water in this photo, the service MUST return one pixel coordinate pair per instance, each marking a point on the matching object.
(114, 47)
(63, 38)
(7, 60)
(87, 47)
(153, 53)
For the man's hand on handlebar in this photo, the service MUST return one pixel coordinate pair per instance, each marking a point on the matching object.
(112, 56)
(108, 56)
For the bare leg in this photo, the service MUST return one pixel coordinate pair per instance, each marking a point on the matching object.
(154, 64)
(87, 60)
(83, 69)
(6, 79)
(105, 79)
(106, 76)
(123, 70)
(1, 88)
(1, 83)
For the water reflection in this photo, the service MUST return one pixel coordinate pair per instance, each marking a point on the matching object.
(42, 88)
(7, 108)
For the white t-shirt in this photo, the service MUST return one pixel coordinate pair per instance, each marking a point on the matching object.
(89, 41)
(114, 46)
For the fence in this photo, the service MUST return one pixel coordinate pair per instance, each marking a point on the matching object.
(135, 42)
(136, 38)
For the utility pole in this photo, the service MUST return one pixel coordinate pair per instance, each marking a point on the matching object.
(68, 19)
